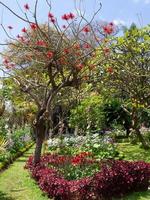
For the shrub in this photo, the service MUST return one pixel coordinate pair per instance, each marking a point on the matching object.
(100, 146)
(115, 179)
(94, 120)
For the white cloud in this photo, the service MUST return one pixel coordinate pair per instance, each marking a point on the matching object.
(119, 22)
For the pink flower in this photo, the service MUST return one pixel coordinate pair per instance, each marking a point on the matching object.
(26, 6)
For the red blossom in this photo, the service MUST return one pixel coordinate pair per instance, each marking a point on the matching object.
(22, 39)
(65, 17)
(108, 29)
(76, 161)
(71, 16)
(33, 26)
(12, 65)
(50, 54)
(68, 16)
(53, 20)
(66, 51)
(24, 30)
(50, 15)
(6, 61)
(41, 43)
(26, 6)
(86, 29)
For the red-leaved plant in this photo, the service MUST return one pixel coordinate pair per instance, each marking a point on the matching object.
(115, 179)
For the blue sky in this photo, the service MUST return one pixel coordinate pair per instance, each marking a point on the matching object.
(119, 11)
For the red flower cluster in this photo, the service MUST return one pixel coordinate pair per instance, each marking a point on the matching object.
(80, 158)
(33, 26)
(108, 29)
(50, 54)
(115, 179)
(41, 43)
(8, 64)
(24, 30)
(68, 16)
(86, 29)
(51, 17)
(26, 6)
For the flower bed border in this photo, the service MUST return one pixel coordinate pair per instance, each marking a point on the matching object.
(116, 178)
(12, 158)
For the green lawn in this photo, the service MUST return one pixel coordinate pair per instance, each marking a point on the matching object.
(16, 184)
(134, 152)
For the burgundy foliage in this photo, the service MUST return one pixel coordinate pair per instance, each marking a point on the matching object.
(115, 179)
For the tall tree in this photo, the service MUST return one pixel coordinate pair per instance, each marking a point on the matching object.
(44, 59)
(127, 70)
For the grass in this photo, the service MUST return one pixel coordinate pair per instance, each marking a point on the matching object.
(134, 152)
(16, 184)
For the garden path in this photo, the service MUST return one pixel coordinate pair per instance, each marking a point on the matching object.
(16, 184)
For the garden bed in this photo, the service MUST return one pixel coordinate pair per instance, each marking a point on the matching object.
(14, 156)
(114, 178)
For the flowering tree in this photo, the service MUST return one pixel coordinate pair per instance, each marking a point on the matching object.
(46, 58)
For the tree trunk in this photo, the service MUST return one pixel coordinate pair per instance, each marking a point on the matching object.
(136, 128)
(39, 131)
(141, 139)
(38, 150)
